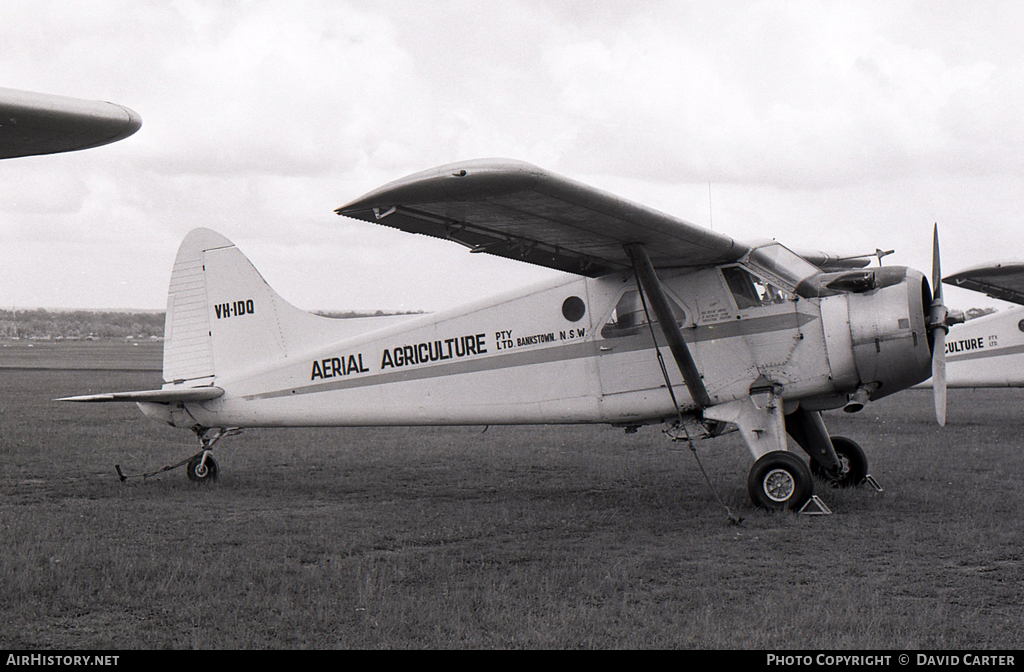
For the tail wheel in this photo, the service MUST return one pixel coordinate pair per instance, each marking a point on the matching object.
(200, 471)
(780, 480)
(853, 464)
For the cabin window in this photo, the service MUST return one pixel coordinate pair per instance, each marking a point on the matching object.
(750, 291)
(628, 318)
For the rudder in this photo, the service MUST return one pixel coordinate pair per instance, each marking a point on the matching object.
(188, 349)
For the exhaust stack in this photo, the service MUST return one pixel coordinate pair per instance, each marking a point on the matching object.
(860, 397)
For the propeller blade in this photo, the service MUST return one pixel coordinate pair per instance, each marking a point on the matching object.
(937, 322)
(939, 376)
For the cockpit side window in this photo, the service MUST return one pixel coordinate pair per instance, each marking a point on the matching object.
(629, 318)
(782, 263)
(750, 291)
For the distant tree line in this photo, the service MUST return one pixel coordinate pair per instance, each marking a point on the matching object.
(972, 313)
(79, 324)
(85, 324)
(356, 313)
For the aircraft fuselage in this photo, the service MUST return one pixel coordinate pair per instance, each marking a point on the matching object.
(987, 351)
(577, 350)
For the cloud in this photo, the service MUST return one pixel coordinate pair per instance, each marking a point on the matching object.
(845, 124)
(33, 187)
(812, 98)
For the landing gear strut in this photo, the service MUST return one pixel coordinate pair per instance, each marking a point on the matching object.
(853, 464)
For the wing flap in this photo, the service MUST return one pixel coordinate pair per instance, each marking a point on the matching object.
(1001, 280)
(151, 396)
(516, 210)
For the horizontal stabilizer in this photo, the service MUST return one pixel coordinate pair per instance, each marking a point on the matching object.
(152, 396)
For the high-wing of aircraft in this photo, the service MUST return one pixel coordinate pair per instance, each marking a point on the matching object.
(989, 351)
(38, 123)
(751, 338)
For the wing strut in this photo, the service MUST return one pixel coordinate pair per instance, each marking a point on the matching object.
(650, 289)
(651, 285)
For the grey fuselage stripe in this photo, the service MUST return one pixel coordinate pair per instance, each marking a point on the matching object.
(631, 343)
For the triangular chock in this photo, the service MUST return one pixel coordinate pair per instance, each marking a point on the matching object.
(870, 480)
(815, 507)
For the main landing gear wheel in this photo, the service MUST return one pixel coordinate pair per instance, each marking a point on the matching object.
(202, 471)
(853, 464)
(780, 480)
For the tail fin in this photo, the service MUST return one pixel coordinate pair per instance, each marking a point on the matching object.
(223, 318)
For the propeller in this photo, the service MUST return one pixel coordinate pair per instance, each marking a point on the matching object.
(939, 321)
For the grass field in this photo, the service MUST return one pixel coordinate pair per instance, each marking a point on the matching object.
(109, 355)
(514, 537)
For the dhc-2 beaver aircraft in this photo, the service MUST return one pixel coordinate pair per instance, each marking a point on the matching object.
(761, 340)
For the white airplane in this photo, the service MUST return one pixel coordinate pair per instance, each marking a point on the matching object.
(761, 340)
(38, 123)
(989, 351)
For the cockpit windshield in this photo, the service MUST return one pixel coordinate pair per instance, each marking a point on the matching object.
(782, 263)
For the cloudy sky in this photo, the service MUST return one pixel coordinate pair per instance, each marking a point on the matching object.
(830, 125)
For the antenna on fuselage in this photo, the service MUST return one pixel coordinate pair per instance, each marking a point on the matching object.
(711, 218)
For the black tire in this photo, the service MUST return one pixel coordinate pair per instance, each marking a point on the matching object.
(207, 473)
(780, 480)
(853, 464)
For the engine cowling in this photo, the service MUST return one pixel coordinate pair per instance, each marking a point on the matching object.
(876, 330)
(891, 344)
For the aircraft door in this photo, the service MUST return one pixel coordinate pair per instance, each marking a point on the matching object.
(628, 362)
(747, 327)
(766, 314)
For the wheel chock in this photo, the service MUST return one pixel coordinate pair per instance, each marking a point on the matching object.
(870, 480)
(819, 508)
